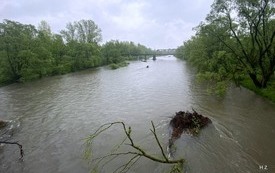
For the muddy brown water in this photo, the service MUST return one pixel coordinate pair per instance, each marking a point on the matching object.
(52, 116)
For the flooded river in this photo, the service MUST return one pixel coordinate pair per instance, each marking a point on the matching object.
(52, 116)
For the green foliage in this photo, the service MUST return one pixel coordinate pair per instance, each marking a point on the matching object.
(27, 53)
(15, 42)
(114, 66)
(5, 72)
(214, 65)
(115, 51)
(29, 70)
(227, 48)
(268, 92)
(83, 31)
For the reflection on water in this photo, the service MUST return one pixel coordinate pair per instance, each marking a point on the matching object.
(56, 113)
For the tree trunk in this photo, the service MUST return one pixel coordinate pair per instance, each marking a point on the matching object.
(256, 82)
(264, 82)
(266, 78)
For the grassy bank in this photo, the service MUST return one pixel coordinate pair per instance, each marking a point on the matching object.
(268, 92)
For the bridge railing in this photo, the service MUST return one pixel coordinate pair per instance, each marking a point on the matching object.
(148, 54)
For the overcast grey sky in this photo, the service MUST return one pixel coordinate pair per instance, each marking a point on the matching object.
(153, 23)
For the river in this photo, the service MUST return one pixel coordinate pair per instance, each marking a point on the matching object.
(51, 117)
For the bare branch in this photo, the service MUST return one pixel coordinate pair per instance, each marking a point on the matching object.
(236, 37)
(135, 155)
(156, 137)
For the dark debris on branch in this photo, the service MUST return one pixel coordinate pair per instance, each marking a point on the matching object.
(185, 122)
(188, 122)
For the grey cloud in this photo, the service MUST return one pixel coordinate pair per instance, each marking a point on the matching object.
(155, 23)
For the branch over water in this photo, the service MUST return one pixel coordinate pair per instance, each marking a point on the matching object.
(134, 154)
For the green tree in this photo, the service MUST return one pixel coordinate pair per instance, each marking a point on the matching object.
(116, 51)
(45, 28)
(235, 41)
(62, 63)
(249, 26)
(27, 53)
(82, 44)
(111, 51)
(15, 38)
(88, 31)
(84, 31)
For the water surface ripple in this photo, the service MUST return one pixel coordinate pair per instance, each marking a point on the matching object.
(50, 118)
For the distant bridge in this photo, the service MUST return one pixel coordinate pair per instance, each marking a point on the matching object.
(149, 54)
(154, 54)
(144, 56)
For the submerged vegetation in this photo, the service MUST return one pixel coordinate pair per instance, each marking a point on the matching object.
(236, 42)
(28, 53)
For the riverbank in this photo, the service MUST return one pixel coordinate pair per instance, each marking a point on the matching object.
(268, 92)
(113, 66)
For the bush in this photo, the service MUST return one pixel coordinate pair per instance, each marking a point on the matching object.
(114, 66)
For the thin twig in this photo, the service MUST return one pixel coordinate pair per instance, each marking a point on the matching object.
(124, 167)
(156, 137)
(15, 143)
(116, 154)
(134, 162)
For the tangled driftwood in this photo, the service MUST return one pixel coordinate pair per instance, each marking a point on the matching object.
(186, 122)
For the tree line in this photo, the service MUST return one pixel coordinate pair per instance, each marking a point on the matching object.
(28, 52)
(235, 42)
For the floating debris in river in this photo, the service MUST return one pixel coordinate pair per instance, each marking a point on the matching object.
(186, 122)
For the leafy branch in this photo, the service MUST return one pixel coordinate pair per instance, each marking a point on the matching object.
(134, 155)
